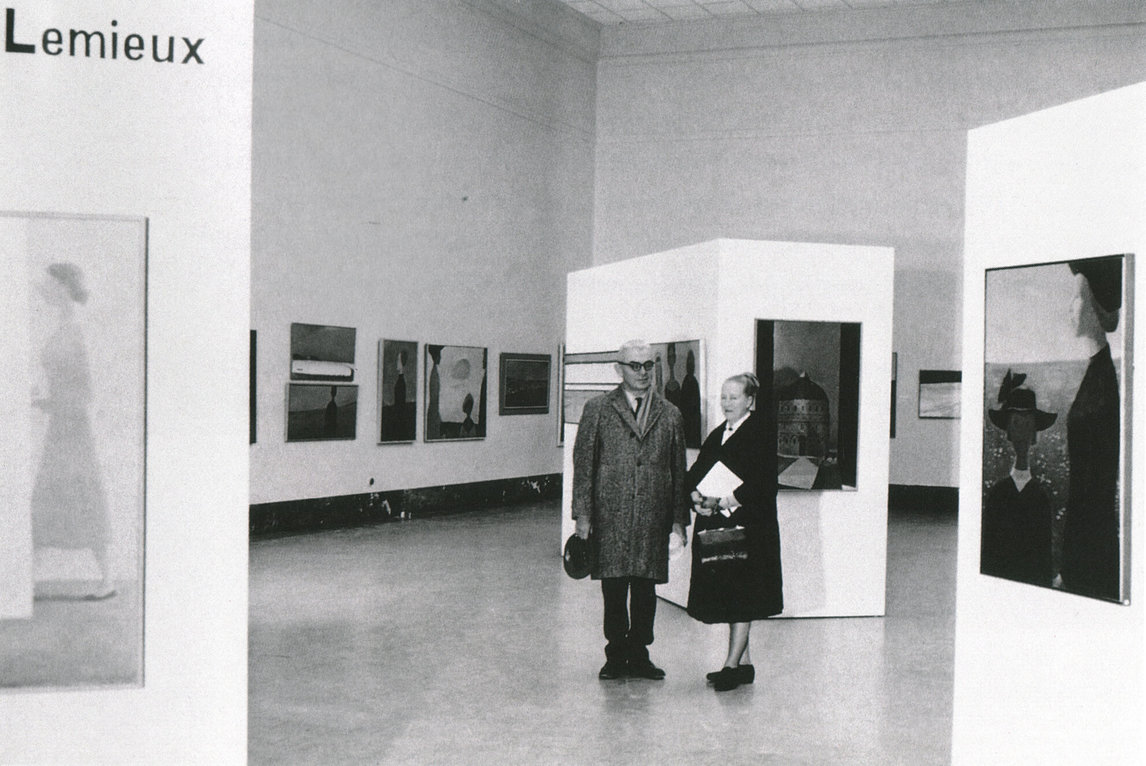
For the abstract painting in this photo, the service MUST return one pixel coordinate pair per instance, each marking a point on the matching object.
(455, 393)
(940, 393)
(317, 412)
(398, 382)
(321, 353)
(524, 384)
(71, 524)
(1056, 435)
(809, 375)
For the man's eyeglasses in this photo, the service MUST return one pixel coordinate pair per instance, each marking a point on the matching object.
(636, 366)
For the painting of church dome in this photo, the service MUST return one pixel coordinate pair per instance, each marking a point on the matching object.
(803, 419)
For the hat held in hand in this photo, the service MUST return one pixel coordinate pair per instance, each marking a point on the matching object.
(576, 557)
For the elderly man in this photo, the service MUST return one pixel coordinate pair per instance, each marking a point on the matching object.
(628, 491)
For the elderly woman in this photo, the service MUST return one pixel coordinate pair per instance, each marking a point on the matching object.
(737, 579)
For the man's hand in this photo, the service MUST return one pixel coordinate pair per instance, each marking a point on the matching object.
(678, 529)
(583, 527)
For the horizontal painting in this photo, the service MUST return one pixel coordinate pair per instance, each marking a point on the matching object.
(72, 582)
(524, 384)
(318, 412)
(398, 381)
(678, 376)
(321, 353)
(809, 375)
(455, 393)
(1056, 438)
(939, 393)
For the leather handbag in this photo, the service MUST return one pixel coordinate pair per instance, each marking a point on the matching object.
(722, 544)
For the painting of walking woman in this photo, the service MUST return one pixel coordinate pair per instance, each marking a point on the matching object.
(1056, 439)
(71, 586)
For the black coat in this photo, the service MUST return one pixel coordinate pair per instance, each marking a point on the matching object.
(740, 591)
(1016, 539)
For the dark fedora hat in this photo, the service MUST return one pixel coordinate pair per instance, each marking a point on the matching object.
(1021, 400)
(1104, 275)
(577, 557)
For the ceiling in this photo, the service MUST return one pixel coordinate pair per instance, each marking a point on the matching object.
(652, 11)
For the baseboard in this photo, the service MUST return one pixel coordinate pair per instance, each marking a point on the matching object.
(314, 514)
(917, 499)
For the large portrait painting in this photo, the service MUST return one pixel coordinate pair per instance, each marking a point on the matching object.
(398, 380)
(1056, 437)
(321, 353)
(321, 412)
(455, 393)
(678, 376)
(72, 517)
(809, 371)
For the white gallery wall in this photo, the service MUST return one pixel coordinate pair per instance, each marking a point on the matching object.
(834, 543)
(1042, 676)
(841, 127)
(422, 172)
(169, 142)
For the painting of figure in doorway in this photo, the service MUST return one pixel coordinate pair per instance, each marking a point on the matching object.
(456, 379)
(321, 412)
(1056, 438)
(72, 520)
(398, 379)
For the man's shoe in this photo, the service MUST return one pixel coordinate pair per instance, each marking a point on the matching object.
(645, 669)
(611, 670)
(726, 679)
(747, 674)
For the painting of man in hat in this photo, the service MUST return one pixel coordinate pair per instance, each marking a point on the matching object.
(1016, 541)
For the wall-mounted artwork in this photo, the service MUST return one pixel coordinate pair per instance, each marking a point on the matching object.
(560, 408)
(678, 376)
(321, 353)
(72, 581)
(940, 393)
(317, 412)
(455, 393)
(398, 382)
(809, 371)
(894, 388)
(251, 374)
(1056, 433)
(524, 384)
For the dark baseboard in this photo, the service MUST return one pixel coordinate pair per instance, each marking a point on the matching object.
(314, 514)
(922, 499)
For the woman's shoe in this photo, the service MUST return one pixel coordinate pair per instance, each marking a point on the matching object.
(726, 679)
(747, 673)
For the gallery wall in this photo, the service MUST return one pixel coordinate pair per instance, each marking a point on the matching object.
(423, 172)
(1042, 675)
(845, 128)
(168, 142)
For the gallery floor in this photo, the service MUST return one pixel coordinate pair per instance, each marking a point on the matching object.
(459, 640)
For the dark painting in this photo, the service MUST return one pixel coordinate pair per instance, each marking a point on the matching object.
(317, 412)
(398, 379)
(321, 353)
(524, 384)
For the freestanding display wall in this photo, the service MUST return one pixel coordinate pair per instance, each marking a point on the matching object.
(834, 542)
(1043, 675)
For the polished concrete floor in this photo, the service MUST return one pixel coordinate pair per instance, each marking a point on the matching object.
(459, 640)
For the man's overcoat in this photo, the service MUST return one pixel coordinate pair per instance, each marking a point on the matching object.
(630, 484)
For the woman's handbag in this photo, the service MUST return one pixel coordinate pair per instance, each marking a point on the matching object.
(722, 544)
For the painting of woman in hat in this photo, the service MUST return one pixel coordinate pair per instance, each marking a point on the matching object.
(1090, 544)
(1016, 541)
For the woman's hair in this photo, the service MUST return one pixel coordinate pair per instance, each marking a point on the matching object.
(70, 276)
(748, 381)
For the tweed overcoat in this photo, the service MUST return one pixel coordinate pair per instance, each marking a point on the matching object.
(630, 484)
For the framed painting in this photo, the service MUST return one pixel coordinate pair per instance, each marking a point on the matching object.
(894, 388)
(809, 375)
(455, 393)
(398, 391)
(72, 579)
(561, 393)
(940, 393)
(1056, 426)
(321, 412)
(251, 393)
(321, 353)
(523, 384)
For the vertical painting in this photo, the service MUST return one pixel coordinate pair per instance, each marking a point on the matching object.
(809, 372)
(940, 394)
(321, 353)
(523, 384)
(74, 345)
(251, 387)
(561, 395)
(455, 393)
(318, 412)
(894, 388)
(398, 380)
(1056, 436)
(678, 376)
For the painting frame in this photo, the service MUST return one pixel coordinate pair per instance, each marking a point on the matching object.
(1058, 340)
(321, 412)
(940, 394)
(519, 390)
(322, 353)
(398, 377)
(463, 394)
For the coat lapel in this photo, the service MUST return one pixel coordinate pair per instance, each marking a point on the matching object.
(620, 403)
